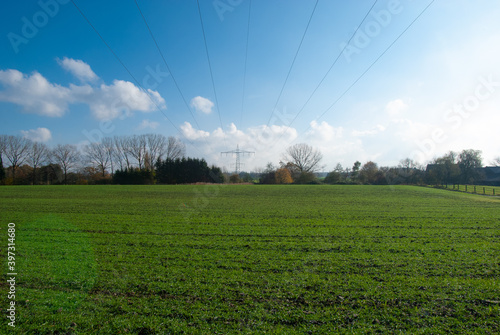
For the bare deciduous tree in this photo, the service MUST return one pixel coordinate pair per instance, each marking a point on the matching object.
(110, 151)
(175, 148)
(67, 156)
(156, 147)
(451, 158)
(303, 157)
(496, 162)
(407, 164)
(121, 152)
(16, 151)
(38, 153)
(3, 143)
(137, 148)
(97, 155)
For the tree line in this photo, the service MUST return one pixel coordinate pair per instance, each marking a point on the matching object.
(301, 163)
(154, 158)
(34, 163)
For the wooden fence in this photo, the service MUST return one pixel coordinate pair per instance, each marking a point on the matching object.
(477, 189)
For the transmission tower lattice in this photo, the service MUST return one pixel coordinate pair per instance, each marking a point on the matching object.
(237, 152)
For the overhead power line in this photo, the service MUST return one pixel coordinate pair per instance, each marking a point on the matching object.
(245, 70)
(369, 67)
(211, 73)
(293, 62)
(130, 73)
(166, 64)
(329, 70)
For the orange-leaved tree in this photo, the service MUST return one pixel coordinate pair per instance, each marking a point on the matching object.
(283, 176)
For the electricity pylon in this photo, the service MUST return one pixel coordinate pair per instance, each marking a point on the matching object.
(237, 152)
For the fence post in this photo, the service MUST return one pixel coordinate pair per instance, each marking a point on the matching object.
(475, 189)
(493, 191)
(484, 190)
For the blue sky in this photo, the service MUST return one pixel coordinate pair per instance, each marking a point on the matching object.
(436, 89)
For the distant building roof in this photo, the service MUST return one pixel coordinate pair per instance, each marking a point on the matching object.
(490, 174)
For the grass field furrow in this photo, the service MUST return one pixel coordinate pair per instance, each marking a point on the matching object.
(253, 259)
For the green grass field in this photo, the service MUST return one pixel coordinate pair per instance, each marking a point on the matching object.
(251, 259)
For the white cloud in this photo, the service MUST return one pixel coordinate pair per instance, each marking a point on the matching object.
(193, 134)
(374, 131)
(270, 142)
(324, 132)
(34, 93)
(145, 124)
(260, 138)
(37, 135)
(385, 144)
(271, 136)
(266, 141)
(38, 96)
(110, 101)
(396, 107)
(202, 104)
(384, 138)
(78, 68)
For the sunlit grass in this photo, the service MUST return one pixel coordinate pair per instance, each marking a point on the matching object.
(254, 259)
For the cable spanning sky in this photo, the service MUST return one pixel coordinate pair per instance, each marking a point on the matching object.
(359, 80)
